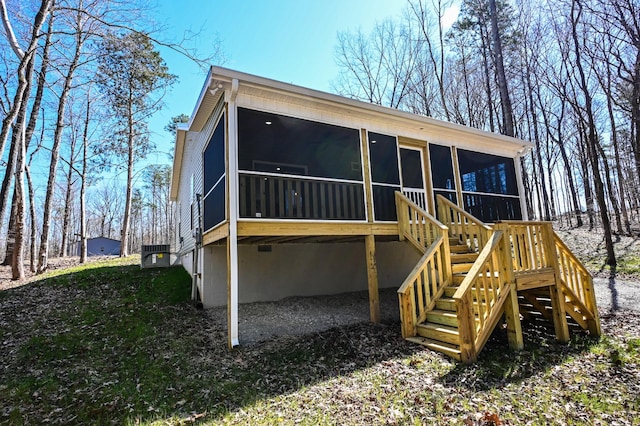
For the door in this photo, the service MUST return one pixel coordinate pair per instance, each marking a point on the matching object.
(412, 165)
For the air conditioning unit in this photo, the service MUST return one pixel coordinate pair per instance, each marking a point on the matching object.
(155, 256)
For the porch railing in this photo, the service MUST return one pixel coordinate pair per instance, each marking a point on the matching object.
(480, 298)
(285, 197)
(531, 245)
(462, 225)
(418, 196)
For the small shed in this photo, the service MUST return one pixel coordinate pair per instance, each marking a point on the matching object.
(101, 246)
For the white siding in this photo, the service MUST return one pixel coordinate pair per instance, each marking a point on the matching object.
(195, 143)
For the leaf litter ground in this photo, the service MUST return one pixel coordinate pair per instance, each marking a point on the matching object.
(113, 344)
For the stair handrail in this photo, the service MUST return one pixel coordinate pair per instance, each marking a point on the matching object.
(416, 225)
(463, 225)
(489, 283)
(426, 282)
(577, 282)
(423, 286)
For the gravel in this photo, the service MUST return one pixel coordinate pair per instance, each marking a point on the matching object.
(613, 295)
(296, 316)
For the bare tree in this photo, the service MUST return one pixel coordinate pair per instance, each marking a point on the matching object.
(376, 68)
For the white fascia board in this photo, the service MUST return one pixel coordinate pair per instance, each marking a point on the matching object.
(203, 93)
(178, 152)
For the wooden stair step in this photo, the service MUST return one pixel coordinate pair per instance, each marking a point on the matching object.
(446, 304)
(439, 332)
(458, 268)
(450, 350)
(457, 279)
(454, 241)
(463, 257)
(449, 291)
(437, 316)
(459, 248)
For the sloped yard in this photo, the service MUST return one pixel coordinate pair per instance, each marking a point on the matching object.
(111, 343)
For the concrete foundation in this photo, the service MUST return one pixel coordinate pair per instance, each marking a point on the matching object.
(301, 270)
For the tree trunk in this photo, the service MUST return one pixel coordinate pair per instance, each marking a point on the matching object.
(505, 101)
(17, 261)
(124, 243)
(536, 134)
(43, 254)
(487, 78)
(592, 139)
(34, 225)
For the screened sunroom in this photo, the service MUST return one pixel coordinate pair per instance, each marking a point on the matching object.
(283, 190)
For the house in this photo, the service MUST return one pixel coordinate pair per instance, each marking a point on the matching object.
(282, 190)
(100, 246)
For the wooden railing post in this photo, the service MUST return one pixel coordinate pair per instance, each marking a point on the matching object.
(593, 323)
(407, 313)
(466, 328)
(403, 216)
(511, 307)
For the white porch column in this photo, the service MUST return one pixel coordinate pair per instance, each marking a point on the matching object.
(232, 240)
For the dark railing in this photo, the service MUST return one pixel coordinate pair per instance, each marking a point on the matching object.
(284, 197)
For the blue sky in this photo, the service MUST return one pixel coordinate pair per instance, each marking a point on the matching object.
(286, 40)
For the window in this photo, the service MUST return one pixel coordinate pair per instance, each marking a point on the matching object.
(385, 175)
(411, 161)
(298, 169)
(286, 145)
(192, 198)
(442, 172)
(489, 186)
(214, 178)
(487, 173)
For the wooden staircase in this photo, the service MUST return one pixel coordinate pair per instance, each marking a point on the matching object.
(439, 331)
(472, 275)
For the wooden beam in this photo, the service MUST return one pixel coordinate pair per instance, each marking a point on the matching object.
(511, 306)
(366, 169)
(541, 278)
(456, 175)
(216, 234)
(429, 182)
(232, 205)
(372, 278)
(512, 315)
(268, 228)
(555, 291)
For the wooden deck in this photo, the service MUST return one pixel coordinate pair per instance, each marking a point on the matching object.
(472, 276)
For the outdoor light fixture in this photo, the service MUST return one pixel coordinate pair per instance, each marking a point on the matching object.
(268, 123)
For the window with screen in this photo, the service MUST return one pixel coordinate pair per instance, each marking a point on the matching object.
(292, 168)
(489, 186)
(214, 178)
(385, 175)
(442, 172)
